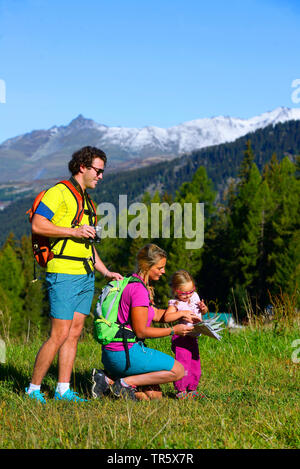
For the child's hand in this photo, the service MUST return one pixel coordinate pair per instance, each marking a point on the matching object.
(196, 319)
(202, 306)
(189, 316)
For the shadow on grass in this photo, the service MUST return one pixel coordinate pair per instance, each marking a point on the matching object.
(18, 380)
(12, 374)
(81, 381)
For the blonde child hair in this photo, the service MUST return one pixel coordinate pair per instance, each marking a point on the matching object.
(179, 278)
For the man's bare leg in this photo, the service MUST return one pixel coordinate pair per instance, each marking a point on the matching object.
(59, 333)
(68, 350)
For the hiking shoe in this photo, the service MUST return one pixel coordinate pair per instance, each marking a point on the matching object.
(124, 392)
(100, 387)
(69, 395)
(36, 395)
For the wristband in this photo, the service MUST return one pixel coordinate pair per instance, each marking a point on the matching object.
(172, 331)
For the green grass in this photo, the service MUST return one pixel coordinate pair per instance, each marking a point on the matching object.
(249, 379)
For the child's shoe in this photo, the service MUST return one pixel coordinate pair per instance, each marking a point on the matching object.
(193, 394)
(182, 395)
(188, 395)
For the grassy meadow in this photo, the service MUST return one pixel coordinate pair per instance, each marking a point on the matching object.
(249, 379)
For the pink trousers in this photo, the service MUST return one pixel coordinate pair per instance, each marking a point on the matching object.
(186, 351)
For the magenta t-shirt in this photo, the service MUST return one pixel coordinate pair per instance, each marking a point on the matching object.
(134, 294)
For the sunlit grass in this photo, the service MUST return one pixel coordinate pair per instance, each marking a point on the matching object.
(249, 379)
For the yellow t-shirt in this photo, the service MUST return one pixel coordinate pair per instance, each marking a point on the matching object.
(59, 206)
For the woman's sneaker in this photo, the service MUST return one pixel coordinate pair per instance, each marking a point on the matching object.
(100, 387)
(124, 392)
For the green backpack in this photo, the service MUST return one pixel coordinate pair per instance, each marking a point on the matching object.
(107, 329)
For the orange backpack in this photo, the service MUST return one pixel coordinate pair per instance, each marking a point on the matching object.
(42, 250)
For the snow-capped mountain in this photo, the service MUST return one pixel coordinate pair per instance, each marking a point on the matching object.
(43, 154)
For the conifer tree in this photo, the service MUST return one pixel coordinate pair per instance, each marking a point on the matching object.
(35, 304)
(199, 190)
(246, 165)
(246, 221)
(283, 228)
(297, 164)
(261, 286)
(12, 283)
(242, 232)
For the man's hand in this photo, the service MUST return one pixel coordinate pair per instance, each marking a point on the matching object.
(84, 231)
(113, 275)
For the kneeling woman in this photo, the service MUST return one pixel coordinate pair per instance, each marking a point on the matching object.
(148, 367)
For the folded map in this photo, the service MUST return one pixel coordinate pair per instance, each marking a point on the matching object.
(208, 327)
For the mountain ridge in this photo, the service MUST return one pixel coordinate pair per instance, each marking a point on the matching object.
(221, 162)
(45, 153)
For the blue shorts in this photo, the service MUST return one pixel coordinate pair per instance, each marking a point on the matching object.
(69, 293)
(142, 360)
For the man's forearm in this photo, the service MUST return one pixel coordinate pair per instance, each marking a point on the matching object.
(43, 226)
(99, 264)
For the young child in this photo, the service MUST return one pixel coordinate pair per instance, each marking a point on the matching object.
(186, 348)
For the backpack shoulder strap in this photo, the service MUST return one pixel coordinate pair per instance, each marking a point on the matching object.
(79, 201)
(35, 204)
(138, 280)
(91, 202)
(91, 210)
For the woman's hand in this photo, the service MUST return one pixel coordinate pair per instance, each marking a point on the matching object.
(182, 329)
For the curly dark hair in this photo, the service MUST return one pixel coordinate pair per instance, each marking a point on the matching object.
(85, 157)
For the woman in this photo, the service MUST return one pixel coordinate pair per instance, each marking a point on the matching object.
(148, 367)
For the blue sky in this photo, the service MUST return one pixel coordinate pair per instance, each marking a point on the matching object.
(137, 62)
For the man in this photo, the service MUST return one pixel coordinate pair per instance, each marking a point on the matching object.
(70, 274)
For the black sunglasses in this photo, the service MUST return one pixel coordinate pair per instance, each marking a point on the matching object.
(98, 170)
